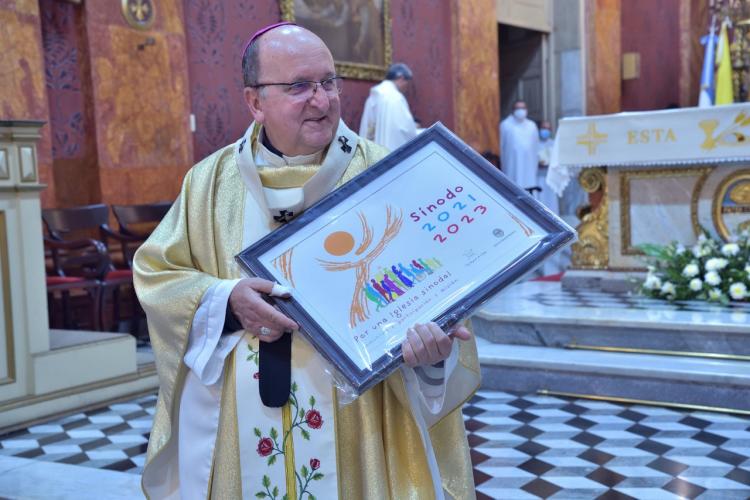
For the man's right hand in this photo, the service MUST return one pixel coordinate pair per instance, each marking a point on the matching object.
(255, 314)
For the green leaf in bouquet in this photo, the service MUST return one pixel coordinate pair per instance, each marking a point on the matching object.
(257, 432)
(654, 250)
(260, 494)
(274, 434)
(266, 481)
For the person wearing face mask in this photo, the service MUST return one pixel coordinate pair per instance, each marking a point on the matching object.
(519, 145)
(386, 119)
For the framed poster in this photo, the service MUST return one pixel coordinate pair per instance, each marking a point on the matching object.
(358, 32)
(427, 234)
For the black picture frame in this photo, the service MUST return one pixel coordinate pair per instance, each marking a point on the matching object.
(559, 235)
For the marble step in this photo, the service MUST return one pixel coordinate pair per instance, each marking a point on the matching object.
(671, 379)
(542, 314)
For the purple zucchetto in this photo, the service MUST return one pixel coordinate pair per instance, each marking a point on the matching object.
(264, 30)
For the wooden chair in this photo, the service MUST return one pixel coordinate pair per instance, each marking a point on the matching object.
(76, 268)
(64, 224)
(138, 221)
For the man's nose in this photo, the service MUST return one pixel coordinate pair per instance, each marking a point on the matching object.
(320, 98)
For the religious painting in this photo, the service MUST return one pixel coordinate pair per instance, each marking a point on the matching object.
(429, 233)
(358, 32)
(731, 204)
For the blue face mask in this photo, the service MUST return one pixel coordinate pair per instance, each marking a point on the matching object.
(544, 134)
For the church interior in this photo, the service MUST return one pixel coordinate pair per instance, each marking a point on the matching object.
(619, 368)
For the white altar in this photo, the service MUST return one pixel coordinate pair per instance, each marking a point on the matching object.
(45, 372)
(654, 177)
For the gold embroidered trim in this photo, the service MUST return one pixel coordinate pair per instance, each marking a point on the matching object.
(290, 467)
(291, 176)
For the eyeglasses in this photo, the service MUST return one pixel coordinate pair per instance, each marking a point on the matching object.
(304, 90)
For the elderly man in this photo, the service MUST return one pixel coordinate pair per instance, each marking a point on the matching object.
(386, 119)
(229, 423)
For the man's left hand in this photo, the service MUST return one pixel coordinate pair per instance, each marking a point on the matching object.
(428, 344)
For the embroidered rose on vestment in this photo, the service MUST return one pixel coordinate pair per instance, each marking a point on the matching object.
(313, 418)
(265, 447)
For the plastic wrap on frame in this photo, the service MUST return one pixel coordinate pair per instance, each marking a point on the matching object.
(525, 233)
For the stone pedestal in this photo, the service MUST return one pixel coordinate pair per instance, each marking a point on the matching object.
(43, 372)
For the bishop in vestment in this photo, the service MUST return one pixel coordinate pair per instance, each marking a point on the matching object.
(213, 436)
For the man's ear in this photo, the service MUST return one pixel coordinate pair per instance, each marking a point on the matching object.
(253, 101)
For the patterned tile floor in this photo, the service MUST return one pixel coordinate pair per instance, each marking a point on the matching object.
(113, 438)
(546, 447)
(551, 294)
(524, 446)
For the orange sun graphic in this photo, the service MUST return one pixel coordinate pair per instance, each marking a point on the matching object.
(339, 243)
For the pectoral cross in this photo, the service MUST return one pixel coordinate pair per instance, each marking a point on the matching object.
(284, 216)
(345, 147)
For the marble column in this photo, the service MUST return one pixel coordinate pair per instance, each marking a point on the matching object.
(141, 102)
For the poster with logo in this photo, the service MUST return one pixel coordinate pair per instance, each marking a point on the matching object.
(427, 234)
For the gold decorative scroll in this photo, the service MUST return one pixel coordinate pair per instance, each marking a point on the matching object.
(591, 251)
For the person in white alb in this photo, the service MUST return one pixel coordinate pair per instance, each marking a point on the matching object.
(519, 146)
(386, 119)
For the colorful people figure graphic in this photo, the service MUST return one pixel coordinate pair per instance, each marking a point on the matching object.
(373, 296)
(395, 279)
(388, 284)
(382, 289)
(403, 279)
(408, 273)
(422, 265)
(419, 273)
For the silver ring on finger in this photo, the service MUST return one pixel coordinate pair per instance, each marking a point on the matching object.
(265, 331)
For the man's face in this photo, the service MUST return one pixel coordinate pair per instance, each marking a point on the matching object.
(296, 126)
(519, 105)
(402, 84)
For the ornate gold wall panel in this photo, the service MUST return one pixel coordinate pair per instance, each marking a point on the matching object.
(23, 92)
(626, 247)
(591, 251)
(603, 51)
(477, 94)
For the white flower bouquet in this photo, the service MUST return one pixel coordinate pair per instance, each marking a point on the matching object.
(710, 270)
